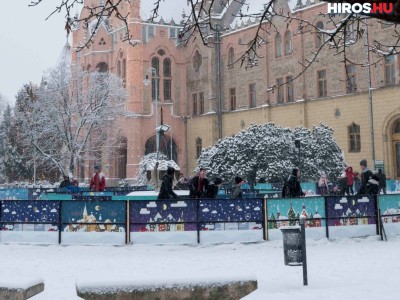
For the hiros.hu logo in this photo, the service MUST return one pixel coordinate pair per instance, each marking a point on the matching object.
(366, 8)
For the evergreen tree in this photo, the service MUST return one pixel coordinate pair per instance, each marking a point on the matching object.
(13, 164)
(291, 216)
(272, 225)
(4, 131)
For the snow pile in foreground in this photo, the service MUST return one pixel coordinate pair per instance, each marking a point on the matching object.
(358, 268)
(173, 282)
(12, 281)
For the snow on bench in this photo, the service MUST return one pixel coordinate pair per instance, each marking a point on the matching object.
(229, 287)
(20, 289)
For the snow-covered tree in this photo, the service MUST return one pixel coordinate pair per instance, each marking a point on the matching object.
(23, 120)
(3, 105)
(74, 117)
(148, 164)
(13, 164)
(270, 151)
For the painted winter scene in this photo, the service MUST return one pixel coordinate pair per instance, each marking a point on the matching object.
(390, 211)
(286, 212)
(176, 221)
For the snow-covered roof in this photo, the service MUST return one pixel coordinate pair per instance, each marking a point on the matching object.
(251, 8)
(168, 10)
(163, 165)
(254, 8)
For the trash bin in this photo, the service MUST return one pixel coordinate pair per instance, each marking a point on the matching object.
(292, 245)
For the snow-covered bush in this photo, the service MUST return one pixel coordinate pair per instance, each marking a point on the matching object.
(269, 151)
(147, 164)
(123, 183)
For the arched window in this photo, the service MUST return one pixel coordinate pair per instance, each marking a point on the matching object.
(165, 147)
(199, 147)
(197, 61)
(155, 63)
(124, 71)
(155, 81)
(119, 68)
(351, 84)
(124, 68)
(319, 37)
(167, 67)
(278, 45)
(102, 67)
(354, 138)
(390, 75)
(162, 80)
(231, 58)
(288, 43)
(167, 82)
(396, 129)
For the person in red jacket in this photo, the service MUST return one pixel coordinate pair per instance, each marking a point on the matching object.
(98, 181)
(350, 179)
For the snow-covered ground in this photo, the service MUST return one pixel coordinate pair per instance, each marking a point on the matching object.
(349, 268)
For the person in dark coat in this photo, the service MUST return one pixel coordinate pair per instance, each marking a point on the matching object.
(237, 192)
(382, 181)
(166, 191)
(366, 175)
(213, 187)
(198, 185)
(374, 184)
(292, 187)
(66, 182)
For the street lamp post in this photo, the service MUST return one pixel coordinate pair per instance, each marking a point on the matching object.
(147, 81)
(162, 127)
(371, 112)
(297, 145)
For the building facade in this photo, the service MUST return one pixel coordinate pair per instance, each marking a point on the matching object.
(206, 92)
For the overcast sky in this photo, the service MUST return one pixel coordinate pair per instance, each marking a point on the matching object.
(28, 44)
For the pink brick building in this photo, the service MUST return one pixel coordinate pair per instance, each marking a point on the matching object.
(202, 102)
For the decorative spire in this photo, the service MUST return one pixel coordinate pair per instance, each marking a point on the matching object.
(299, 4)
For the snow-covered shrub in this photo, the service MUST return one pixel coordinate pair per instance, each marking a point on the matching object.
(269, 151)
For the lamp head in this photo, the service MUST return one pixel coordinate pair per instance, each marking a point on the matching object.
(162, 128)
(146, 80)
